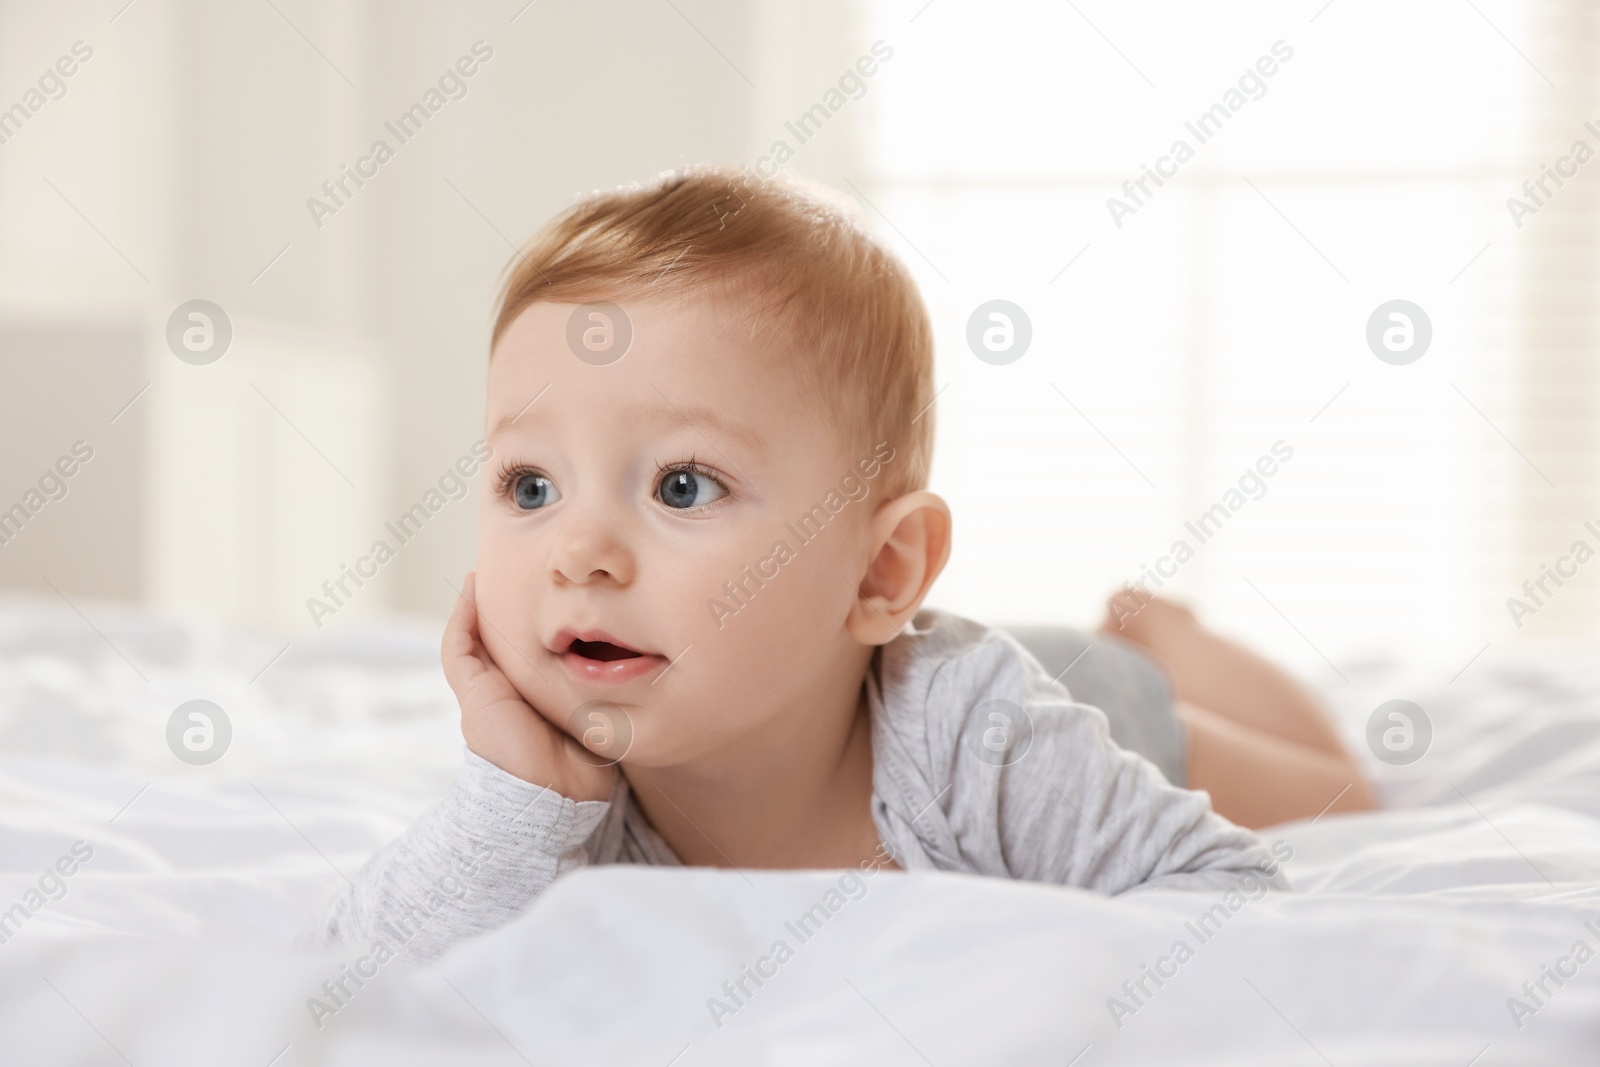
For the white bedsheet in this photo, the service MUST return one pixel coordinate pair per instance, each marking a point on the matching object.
(1412, 929)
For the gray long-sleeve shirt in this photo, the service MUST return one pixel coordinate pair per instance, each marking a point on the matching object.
(981, 764)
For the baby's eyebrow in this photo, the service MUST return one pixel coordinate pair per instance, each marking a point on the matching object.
(700, 419)
(502, 426)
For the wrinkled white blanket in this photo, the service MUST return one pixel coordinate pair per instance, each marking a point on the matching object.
(1445, 930)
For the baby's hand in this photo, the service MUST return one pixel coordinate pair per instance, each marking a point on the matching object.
(502, 727)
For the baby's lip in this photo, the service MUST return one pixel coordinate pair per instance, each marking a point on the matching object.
(593, 644)
(594, 657)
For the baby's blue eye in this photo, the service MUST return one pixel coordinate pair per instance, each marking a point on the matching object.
(687, 489)
(534, 491)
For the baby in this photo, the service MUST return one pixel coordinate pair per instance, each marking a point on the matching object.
(696, 634)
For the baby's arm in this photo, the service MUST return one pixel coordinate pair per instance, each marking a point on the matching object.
(1075, 809)
(521, 808)
(471, 863)
(1096, 815)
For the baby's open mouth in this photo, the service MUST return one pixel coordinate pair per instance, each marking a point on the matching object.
(604, 651)
(596, 659)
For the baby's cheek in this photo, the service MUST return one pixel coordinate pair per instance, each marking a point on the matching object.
(781, 586)
(699, 599)
(505, 572)
(495, 598)
(507, 621)
(511, 647)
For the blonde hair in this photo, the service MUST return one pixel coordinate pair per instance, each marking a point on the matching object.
(794, 255)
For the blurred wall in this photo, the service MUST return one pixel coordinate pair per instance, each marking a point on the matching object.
(176, 163)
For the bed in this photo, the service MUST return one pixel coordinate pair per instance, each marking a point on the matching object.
(1457, 927)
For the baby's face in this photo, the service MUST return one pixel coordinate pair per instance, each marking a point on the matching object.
(640, 537)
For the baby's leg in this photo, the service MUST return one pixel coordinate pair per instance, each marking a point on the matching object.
(1259, 742)
(1217, 674)
(1259, 780)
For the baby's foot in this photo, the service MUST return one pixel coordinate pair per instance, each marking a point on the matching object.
(1145, 619)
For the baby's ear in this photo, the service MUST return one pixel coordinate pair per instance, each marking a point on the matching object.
(908, 544)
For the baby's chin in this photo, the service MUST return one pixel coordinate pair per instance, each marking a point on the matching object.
(622, 731)
(652, 742)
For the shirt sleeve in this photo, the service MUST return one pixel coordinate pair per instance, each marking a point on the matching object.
(1040, 785)
(1089, 813)
(470, 863)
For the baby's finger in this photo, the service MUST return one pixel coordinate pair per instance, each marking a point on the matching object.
(460, 629)
(458, 648)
